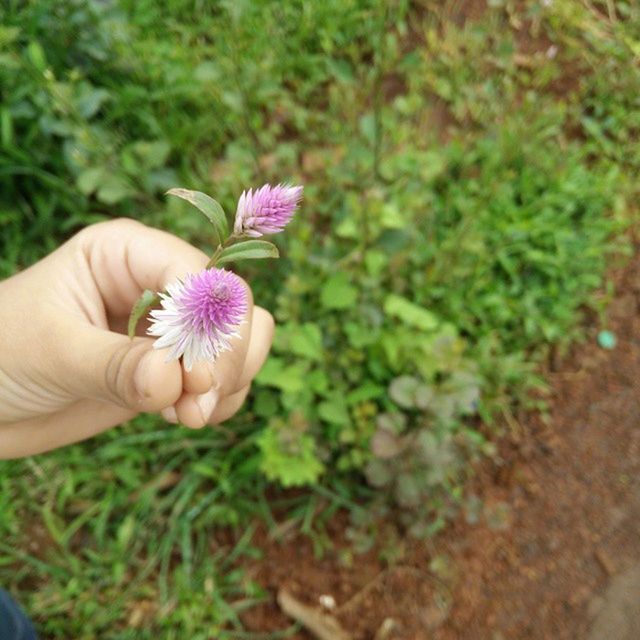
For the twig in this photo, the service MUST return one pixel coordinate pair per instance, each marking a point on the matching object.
(372, 584)
(388, 626)
(357, 597)
(322, 625)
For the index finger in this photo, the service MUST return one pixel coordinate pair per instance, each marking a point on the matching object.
(126, 257)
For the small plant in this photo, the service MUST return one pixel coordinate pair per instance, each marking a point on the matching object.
(200, 314)
(288, 451)
(419, 447)
(466, 235)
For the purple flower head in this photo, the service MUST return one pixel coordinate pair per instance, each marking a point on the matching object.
(266, 210)
(200, 315)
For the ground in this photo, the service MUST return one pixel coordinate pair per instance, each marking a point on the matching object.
(555, 553)
(408, 122)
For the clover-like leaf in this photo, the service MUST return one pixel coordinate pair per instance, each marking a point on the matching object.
(423, 396)
(288, 455)
(248, 250)
(407, 490)
(211, 208)
(385, 444)
(394, 422)
(142, 305)
(378, 473)
(410, 313)
(338, 293)
(403, 391)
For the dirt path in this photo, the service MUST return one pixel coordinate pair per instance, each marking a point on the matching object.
(574, 492)
(557, 554)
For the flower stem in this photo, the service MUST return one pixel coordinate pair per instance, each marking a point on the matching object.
(232, 239)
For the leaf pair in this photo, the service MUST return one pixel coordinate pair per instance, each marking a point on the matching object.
(241, 250)
(213, 211)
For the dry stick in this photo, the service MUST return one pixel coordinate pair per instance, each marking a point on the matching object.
(322, 625)
(372, 584)
(388, 626)
(359, 595)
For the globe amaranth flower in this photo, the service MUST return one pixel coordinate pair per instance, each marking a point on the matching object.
(199, 316)
(266, 210)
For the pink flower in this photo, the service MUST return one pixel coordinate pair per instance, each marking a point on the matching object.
(200, 315)
(266, 210)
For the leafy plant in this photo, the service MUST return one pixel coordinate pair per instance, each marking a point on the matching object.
(465, 183)
(288, 453)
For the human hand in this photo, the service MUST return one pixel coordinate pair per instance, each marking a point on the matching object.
(67, 369)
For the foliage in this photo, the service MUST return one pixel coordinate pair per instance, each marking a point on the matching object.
(288, 452)
(464, 181)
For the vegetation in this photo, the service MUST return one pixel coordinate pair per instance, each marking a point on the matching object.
(465, 183)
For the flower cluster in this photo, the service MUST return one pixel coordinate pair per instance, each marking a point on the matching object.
(201, 314)
(266, 210)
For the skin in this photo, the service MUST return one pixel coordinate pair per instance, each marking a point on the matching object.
(68, 371)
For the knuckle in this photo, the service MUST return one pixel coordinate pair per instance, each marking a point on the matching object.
(117, 224)
(122, 222)
(85, 237)
(120, 373)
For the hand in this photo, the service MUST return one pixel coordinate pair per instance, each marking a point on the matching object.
(67, 369)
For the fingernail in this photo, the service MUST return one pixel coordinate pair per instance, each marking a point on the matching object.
(170, 415)
(142, 374)
(207, 403)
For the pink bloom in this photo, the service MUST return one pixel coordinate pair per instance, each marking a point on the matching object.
(200, 315)
(266, 210)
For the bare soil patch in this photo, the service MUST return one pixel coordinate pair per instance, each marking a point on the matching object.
(558, 538)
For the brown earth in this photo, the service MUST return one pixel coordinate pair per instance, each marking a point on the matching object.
(556, 553)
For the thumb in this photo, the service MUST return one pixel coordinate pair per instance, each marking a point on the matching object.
(108, 366)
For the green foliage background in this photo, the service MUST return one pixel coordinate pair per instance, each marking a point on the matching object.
(465, 183)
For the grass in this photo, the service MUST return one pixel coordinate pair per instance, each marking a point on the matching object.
(481, 172)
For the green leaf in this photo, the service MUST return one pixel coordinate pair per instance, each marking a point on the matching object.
(347, 228)
(378, 473)
(265, 403)
(114, 189)
(360, 335)
(6, 127)
(287, 378)
(392, 217)
(36, 55)
(385, 444)
(423, 396)
(368, 391)
(300, 339)
(208, 206)
(318, 381)
(125, 531)
(403, 391)
(367, 127)
(145, 301)
(90, 101)
(376, 262)
(288, 456)
(394, 422)
(407, 490)
(153, 153)
(338, 293)
(334, 411)
(410, 313)
(89, 180)
(248, 250)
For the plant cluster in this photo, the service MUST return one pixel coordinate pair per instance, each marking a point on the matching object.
(463, 184)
